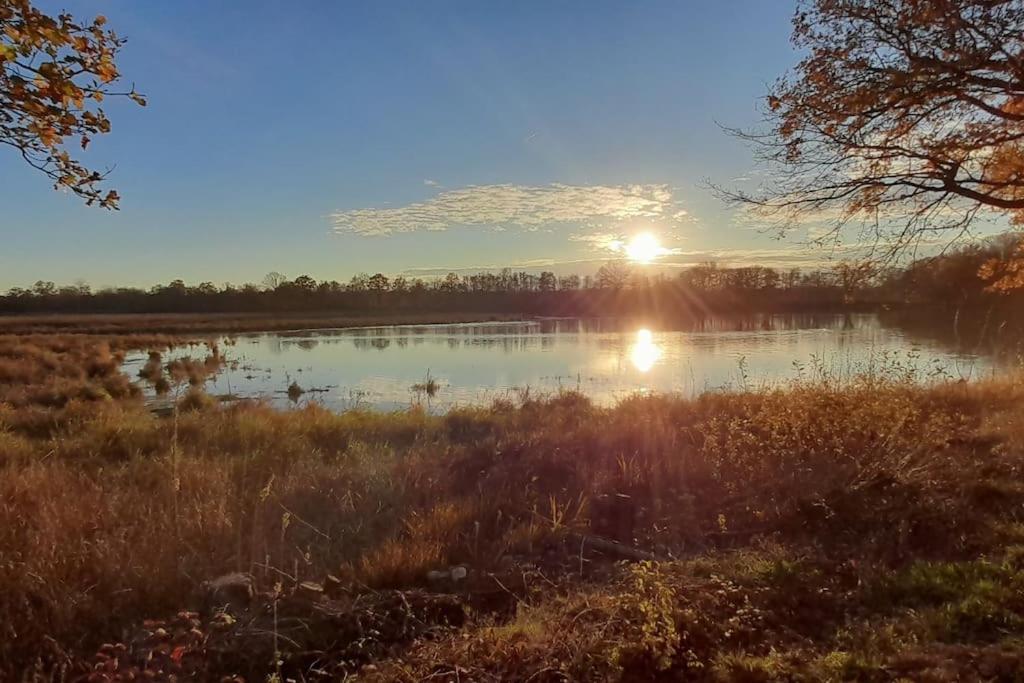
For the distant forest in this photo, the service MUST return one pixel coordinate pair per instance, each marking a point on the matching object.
(954, 280)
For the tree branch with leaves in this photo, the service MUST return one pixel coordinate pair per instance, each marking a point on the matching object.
(904, 121)
(54, 73)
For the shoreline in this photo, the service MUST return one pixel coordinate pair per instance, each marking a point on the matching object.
(225, 323)
(228, 323)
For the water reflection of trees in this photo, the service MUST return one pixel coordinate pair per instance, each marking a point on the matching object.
(774, 322)
(768, 322)
(973, 332)
(374, 343)
(545, 334)
(510, 336)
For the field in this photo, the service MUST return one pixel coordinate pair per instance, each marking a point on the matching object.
(869, 529)
(198, 324)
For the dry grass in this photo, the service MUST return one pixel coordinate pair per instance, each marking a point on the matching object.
(793, 524)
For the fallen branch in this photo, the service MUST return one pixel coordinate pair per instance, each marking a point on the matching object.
(610, 547)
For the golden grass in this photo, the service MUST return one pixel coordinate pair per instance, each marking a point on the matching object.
(110, 514)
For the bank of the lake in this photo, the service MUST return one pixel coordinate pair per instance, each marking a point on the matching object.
(199, 325)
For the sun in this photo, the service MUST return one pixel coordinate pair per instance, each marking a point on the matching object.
(644, 248)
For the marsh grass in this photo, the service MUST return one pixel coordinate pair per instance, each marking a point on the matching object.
(428, 387)
(295, 392)
(798, 525)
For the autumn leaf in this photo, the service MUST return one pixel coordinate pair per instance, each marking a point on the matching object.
(178, 653)
(106, 71)
(54, 73)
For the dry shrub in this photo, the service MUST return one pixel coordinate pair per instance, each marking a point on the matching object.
(810, 439)
(430, 539)
(196, 400)
(125, 542)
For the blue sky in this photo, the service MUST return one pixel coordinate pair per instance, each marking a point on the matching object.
(414, 137)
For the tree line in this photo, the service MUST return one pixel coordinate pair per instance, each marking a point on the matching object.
(968, 274)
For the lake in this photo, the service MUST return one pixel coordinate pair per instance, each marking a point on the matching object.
(380, 367)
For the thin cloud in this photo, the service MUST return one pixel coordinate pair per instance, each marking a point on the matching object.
(600, 241)
(431, 183)
(516, 206)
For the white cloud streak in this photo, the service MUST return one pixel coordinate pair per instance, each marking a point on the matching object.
(516, 206)
(600, 241)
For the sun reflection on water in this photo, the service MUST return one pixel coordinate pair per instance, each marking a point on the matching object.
(644, 353)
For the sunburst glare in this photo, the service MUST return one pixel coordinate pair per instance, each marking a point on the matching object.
(644, 248)
(644, 353)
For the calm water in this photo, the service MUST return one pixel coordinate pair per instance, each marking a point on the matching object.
(476, 363)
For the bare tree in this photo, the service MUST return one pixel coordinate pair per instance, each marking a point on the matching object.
(613, 275)
(273, 280)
